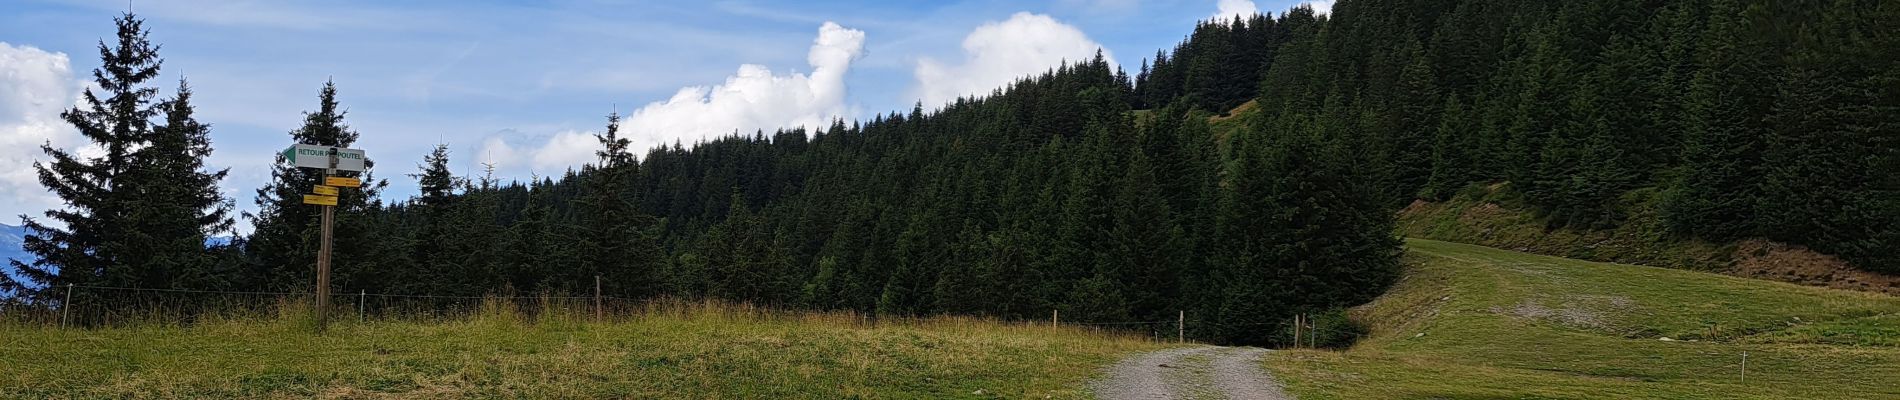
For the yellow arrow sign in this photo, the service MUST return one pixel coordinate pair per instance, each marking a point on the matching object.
(325, 190)
(319, 200)
(341, 182)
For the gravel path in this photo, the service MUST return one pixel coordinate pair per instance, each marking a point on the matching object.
(1191, 373)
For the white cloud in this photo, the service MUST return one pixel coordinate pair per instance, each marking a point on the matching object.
(755, 98)
(1226, 10)
(752, 99)
(998, 53)
(563, 150)
(1321, 7)
(34, 87)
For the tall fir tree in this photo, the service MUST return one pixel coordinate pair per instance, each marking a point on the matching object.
(619, 246)
(179, 205)
(1715, 196)
(86, 241)
(282, 250)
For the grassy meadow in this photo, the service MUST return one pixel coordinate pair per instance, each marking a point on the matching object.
(1471, 322)
(692, 351)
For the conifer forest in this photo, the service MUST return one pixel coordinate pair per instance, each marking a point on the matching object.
(1249, 174)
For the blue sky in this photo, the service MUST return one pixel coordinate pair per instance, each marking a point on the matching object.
(520, 83)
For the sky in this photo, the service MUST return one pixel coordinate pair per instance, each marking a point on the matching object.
(522, 85)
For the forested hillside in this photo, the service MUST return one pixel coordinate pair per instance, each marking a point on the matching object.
(1736, 119)
(1085, 190)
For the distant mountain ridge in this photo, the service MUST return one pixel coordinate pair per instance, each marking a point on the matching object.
(12, 239)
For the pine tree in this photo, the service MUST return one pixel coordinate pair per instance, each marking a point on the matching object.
(437, 249)
(1716, 196)
(1455, 152)
(1539, 154)
(87, 242)
(1250, 291)
(959, 288)
(904, 290)
(1300, 229)
(180, 206)
(282, 248)
(539, 247)
(1147, 252)
(435, 181)
(1822, 158)
(1415, 118)
(619, 244)
(743, 258)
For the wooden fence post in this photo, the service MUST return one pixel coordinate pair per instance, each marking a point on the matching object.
(1055, 317)
(1296, 331)
(1180, 325)
(1311, 332)
(362, 298)
(598, 311)
(66, 308)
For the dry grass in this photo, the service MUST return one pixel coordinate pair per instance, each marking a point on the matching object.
(678, 350)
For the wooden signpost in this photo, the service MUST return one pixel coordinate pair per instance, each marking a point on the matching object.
(330, 159)
(319, 200)
(338, 181)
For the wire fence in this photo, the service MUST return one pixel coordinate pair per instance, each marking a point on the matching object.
(108, 306)
(88, 306)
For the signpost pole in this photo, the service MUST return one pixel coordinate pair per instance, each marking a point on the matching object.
(323, 257)
(330, 159)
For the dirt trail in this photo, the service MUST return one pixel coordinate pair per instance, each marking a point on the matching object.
(1206, 372)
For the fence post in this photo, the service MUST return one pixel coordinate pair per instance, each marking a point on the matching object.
(1296, 331)
(362, 297)
(1055, 317)
(1311, 332)
(1744, 366)
(1180, 333)
(66, 308)
(598, 312)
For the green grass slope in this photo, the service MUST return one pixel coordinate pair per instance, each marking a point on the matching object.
(1471, 322)
(709, 353)
(1492, 215)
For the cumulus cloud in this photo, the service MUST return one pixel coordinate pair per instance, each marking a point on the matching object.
(998, 53)
(1321, 7)
(1226, 10)
(35, 86)
(750, 100)
(556, 153)
(755, 98)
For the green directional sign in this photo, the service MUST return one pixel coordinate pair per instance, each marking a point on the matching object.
(314, 156)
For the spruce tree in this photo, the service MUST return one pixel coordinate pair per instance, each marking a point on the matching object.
(1147, 252)
(87, 241)
(1415, 114)
(1715, 197)
(282, 250)
(435, 248)
(1829, 137)
(619, 244)
(1250, 290)
(179, 204)
(1455, 150)
(436, 184)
